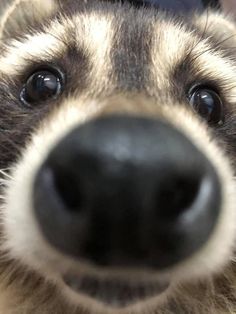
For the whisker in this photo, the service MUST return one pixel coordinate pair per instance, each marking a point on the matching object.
(5, 174)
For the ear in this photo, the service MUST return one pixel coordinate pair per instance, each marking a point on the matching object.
(23, 14)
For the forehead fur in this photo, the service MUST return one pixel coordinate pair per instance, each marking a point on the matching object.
(140, 48)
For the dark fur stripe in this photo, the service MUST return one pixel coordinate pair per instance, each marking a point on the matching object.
(131, 53)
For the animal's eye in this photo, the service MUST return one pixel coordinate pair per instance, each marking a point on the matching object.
(41, 86)
(207, 103)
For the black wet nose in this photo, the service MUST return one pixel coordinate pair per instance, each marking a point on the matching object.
(128, 191)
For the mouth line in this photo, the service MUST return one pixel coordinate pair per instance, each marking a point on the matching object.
(113, 291)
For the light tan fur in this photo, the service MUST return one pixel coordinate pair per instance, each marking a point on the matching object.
(20, 12)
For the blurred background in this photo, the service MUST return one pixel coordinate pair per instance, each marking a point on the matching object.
(228, 5)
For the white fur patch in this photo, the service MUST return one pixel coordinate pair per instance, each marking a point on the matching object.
(171, 43)
(91, 31)
(38, 47)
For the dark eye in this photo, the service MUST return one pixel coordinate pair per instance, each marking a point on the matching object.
(207, 103)
(41, 86)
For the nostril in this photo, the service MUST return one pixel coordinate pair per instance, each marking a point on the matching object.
(68, 190)
(176, 195)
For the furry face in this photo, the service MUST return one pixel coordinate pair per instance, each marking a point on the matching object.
(118, 160)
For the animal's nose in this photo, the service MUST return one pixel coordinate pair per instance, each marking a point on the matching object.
(127, 191)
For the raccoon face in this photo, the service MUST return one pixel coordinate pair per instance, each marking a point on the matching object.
(118, 153)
